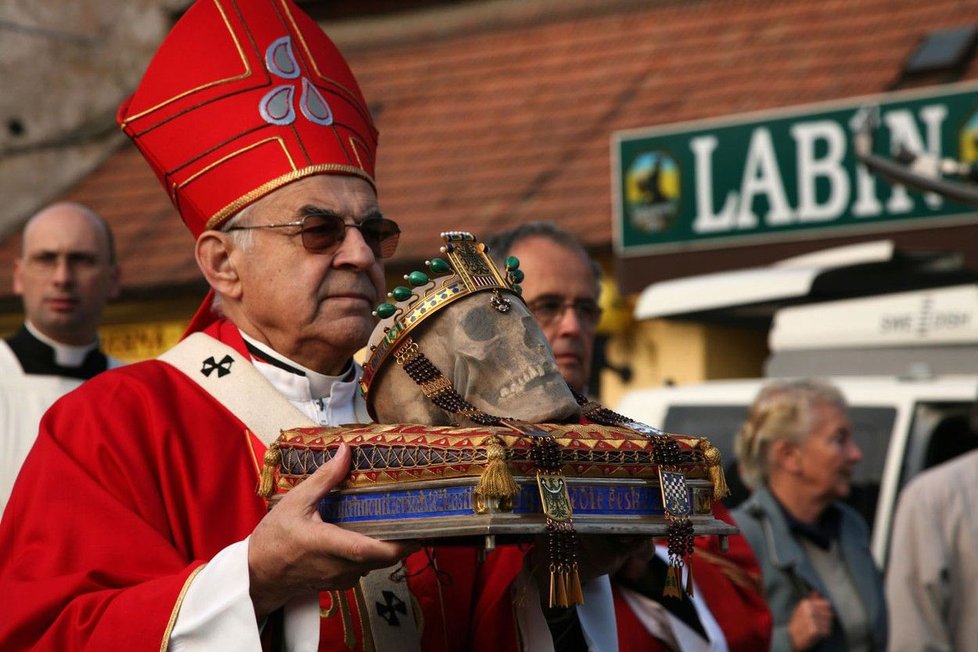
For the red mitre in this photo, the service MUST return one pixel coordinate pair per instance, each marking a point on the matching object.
(243, 97)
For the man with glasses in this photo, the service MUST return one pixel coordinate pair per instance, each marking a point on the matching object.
(562, 285)
(136, 523)
(65, 275)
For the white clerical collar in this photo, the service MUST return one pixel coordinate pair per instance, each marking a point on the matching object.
(65, 355)
(293, 379)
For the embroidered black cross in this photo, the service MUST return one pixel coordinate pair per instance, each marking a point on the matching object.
(223, 367)
(387, 609)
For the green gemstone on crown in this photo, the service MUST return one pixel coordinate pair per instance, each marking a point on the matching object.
(417, 279)
(516, 275)
(512, 263)
(401, 293)
(439, 266)
(518, 289)
(384, 310)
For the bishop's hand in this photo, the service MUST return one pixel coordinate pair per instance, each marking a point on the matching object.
(292, 552)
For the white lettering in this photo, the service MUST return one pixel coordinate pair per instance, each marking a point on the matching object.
(825, 189)
(762, 177)
(867, 203)
(706, 221)
(829, 167)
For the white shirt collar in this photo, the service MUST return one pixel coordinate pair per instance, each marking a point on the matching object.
(65, 355)
(327, 400)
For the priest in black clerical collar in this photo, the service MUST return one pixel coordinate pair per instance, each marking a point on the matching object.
(65, 275)
(40, 355)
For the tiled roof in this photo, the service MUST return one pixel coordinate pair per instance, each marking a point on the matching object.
(487, 124)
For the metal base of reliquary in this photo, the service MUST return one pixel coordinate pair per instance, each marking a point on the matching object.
(483, 485)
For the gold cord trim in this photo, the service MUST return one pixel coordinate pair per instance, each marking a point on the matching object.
(234, 207)
(165, 643)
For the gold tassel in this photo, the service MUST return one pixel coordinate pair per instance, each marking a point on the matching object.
(496, 480)
(689, 576)
(562, 589)
(552, 601)
(565, 588)
(712, 455)
(672, 589)
(576, 594)
(266, 479)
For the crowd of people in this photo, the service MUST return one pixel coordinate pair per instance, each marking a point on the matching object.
(134, 523)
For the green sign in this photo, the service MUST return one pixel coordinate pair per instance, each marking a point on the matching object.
(785, 175)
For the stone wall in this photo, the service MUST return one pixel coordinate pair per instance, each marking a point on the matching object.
(65, 67)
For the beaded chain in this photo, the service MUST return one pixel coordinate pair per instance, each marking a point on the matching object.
(667, 455)
(561, 536)
(565, 586)
(439, 389)
(665, 450)
(681, 540)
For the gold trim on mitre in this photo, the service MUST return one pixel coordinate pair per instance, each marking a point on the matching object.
(234, 207)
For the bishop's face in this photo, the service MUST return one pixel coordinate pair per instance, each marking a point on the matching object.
(314, 308)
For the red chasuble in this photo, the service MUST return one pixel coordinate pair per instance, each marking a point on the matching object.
(137, 479)
(730, 584)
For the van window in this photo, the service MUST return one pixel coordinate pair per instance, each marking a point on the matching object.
(939, 432)
(718, 423)
(872, 427)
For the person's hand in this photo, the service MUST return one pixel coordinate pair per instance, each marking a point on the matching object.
(597, 554)
(293, 552)
(636, 564)
(600, 554)
(811, 621)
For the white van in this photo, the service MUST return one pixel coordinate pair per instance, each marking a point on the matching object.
(907, 364)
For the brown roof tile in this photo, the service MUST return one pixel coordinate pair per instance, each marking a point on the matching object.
(484, 127)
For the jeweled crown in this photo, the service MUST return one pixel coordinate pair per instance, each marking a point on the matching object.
(468, 269)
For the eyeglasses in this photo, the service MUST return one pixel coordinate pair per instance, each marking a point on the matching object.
(46, 262)
(549, 310)
(322, 234)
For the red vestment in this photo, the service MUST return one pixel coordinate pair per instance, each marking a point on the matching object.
(730, 584)
(139, 477)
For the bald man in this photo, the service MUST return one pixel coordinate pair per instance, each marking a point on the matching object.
(65, 275)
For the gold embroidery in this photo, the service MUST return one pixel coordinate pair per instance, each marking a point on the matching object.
(328, 613)
(368, 634)
(338, 602)
(262, 190)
